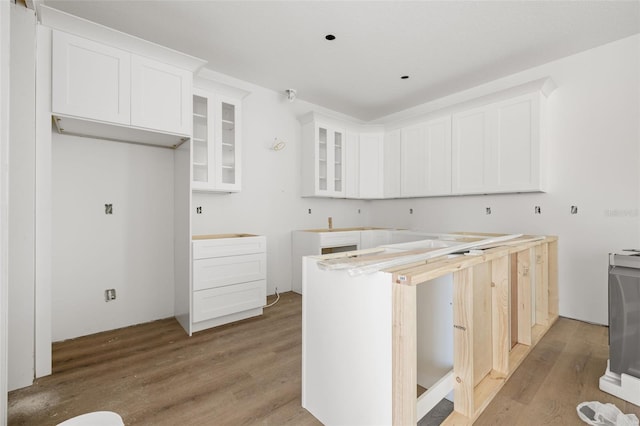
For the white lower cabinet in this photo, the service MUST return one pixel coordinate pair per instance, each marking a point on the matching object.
(228, 279)
(227, 300)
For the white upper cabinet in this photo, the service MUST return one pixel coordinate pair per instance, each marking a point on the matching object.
(160, 96)
(106, 85)
(371, 165)
(497, 147)
(217, 144)
(471, 151)
(90, 79)
(518, 145)
(323, 159)
(365, 165)
(426, 159)
(392, 164)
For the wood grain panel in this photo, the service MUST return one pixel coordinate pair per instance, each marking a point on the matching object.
(463, 355)
(482, 322)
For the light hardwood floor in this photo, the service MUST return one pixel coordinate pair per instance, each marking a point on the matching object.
(249, 373)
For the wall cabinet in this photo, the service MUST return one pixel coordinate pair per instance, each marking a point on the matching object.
(426, 159)
(365, 165)
(323, 159)
(217, 143)
(97, 82)
(498, 147)
(228, 280)
(493, 144)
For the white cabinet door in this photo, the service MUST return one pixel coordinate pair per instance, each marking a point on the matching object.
(516, 151)
(203, 140)
(413, 152)
(217, 142)
(228, 147)
(323, 160)
(352, 165)
(497, 147)
(90, 80)
(371, 165)
(160, 96)
(391, 166)
(471, 151)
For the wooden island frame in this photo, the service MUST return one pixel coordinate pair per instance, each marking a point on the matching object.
(495, 301)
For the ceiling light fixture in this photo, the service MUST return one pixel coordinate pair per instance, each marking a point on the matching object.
(291, 94)
(330, 37)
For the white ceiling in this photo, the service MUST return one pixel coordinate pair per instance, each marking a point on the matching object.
(444, 46)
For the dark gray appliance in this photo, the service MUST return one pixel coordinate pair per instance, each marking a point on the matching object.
(622, 377)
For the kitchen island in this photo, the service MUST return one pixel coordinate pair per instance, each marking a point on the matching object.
(388, 332)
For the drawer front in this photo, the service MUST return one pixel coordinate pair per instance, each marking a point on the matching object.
(220, 247)
(221, 271)
(218, 302)
(337, 239)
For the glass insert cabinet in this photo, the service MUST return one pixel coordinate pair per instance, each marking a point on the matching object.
(216, 142)
(323, 159)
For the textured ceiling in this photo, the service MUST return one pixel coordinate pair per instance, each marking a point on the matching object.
(444, 46)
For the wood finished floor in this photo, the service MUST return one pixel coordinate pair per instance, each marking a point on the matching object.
(249, 373)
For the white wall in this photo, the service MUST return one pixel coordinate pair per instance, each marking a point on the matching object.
(130, 250)
(21, 198)
(593, 158)
(5, 89)
(270, 203)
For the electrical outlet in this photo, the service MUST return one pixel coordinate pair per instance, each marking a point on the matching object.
(488, 210)
(410, 211)
(574, 209)
(537, 210)
(110, 294)
(199, 210)
(108, 209)
(309, 211)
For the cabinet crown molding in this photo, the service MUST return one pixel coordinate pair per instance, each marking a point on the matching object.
(66, 22)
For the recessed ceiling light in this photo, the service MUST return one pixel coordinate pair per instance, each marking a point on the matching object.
(404, 77)
(330, 37)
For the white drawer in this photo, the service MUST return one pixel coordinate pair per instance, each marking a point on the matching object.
(219, 247)
(221, 301)
(221, 271)
(338, 239)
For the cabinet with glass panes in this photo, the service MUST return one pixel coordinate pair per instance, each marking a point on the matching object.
(216, 142)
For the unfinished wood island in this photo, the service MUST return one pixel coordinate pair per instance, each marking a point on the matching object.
(388, 332)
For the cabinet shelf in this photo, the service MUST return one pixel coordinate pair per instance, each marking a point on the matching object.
(200, 140)
(201, 116)
(199, 164)
(228, 121)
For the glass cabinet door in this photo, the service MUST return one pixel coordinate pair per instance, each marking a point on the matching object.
(215, 142)
(201, 174)
(322, 159)
(228, 143)
(337, 161)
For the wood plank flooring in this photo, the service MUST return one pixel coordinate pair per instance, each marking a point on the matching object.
(248, 373)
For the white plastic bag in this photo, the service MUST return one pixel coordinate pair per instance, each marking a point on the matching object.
(599, 414)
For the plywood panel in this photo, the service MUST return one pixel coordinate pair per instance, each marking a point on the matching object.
(482, 322)
(463, 342)
(404, 352)
(500, 314)
(524, 297)
(513, 290)
(542, 285)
